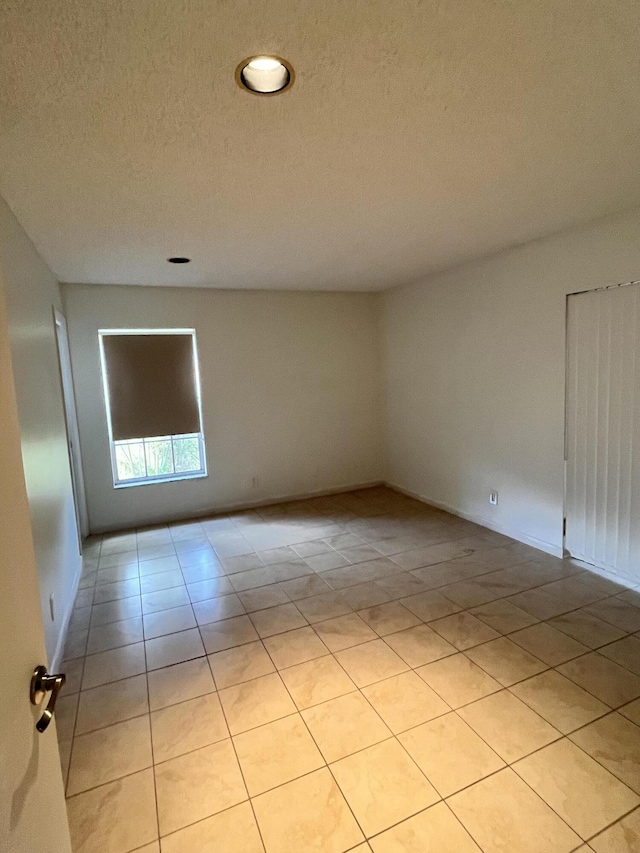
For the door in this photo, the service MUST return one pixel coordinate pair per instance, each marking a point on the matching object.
(33, 816)
(603, 429)
(71, 422)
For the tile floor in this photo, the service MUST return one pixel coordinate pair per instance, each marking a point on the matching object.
(352, 673)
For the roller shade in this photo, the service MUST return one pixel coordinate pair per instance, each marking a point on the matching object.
(151, 381)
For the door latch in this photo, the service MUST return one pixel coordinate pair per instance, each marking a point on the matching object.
(41, 684)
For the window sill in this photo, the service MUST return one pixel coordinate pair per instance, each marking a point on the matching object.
(174, 478)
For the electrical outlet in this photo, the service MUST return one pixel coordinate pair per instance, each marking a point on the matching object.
(52, 607)
(493, 498)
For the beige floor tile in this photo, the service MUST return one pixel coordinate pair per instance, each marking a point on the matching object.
(435, 830)
(207, 588)
(632, 711)
(467, 593)
(617, 612)
(319, 608)
(316, 681)
(254, 703)
(505, 661)
(450, 753)
(103, 706)
(561, 702)
(503, 616)
(225, 635)
(151, 565)
(305, 587)
(232, 831)
(419, 645)
(365, 595)
(579, 789)
(195, 569)
(389, 618)
(344, 725)
(242, 663)
(276, 753)
(586, 628)
(625, 652)
(370, 662)
(430, 605)
(197, 785)
(503, 814)
(178, 683)
(383, 786)
(622, 837)
(113, 665)
(278, 555)
(119, 589)
(173, 648)
(295, 647)
(312, 548)
(161, 580)
(548, 644)
(64, 747)
(74, 670)
(343, 632)
(115, 611)
(76, 644)
(539, 603)
(463, 630)
(603, 678)
(253, 579)
(242, 563)
(187, 726)
(164, 599)
(116, 817)
(509, 726)
(276, 620)
(614, 742)
(458, 680)
(305, 816)
(326, 561)
(263, 597)
(402, 585)
(168, 622)
(217, 609)
(114, 635)
(109, 754)
(404, 701)
(66, 709)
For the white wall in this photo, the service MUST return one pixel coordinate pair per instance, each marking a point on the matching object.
(31, 292)
(474, 363)
(290, 393)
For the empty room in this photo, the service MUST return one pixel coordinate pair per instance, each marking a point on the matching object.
(320, 426)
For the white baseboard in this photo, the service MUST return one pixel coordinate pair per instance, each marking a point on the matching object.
(242, 505)
(55, 662)
(541, 545)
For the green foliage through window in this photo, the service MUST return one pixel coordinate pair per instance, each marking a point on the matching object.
(158, 458)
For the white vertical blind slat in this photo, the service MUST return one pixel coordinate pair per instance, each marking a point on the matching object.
(603, 429)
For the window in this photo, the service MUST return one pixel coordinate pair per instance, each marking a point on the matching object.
(152, 396)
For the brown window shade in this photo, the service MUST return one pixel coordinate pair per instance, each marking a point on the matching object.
(152, 385)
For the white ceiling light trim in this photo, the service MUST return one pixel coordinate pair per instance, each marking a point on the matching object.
(264, 75)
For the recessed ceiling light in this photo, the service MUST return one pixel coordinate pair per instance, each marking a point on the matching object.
(264, 75)
(179, 260)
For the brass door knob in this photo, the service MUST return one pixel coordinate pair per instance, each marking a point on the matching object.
(41, 684)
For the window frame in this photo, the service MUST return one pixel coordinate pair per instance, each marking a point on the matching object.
(148, 480)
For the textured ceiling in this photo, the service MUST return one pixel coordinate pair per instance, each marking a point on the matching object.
(419, 133)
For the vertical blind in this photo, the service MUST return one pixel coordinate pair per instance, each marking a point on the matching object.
(151, 383)
(603, 428)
